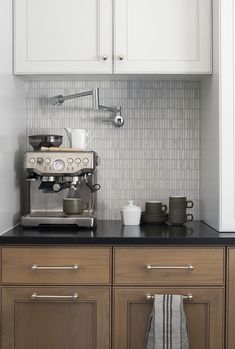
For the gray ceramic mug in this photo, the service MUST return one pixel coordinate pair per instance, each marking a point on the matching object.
(74, 205)
(180, 218)
(179, 203)
(155, 207)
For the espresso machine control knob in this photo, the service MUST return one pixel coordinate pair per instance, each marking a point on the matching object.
(59, 165)
(56, 187)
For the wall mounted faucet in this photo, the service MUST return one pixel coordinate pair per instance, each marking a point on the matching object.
(116, 118)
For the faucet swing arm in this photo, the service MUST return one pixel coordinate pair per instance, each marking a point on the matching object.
(116, 119)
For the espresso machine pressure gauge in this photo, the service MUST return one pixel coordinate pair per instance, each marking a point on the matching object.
(59, 165)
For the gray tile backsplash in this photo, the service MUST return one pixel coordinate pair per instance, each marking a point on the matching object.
(154, 155)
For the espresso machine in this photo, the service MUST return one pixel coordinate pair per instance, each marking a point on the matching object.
(53, 176)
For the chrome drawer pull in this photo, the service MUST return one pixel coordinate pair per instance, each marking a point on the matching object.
(42, 296)
(189, 297)
(187, 267)
(38, 267)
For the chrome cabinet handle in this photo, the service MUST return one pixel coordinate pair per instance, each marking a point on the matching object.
(189, 297)
(186, 267)
(121, 57)
(105, 57)
(38, 267)
(45, 296)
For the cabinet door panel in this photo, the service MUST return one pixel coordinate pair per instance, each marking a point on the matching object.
(231, 299)
(56, 36)
(204, 316)
(163, 36)
(56, 323)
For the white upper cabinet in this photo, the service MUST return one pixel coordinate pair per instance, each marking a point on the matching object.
(63, 36)
(163, 36)
(76, 36)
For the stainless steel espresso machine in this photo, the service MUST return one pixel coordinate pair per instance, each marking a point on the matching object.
(54, 176)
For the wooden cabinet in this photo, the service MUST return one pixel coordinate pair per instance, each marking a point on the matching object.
(56, 307)
(204, 316)
(186, 268)
(68, 315)
(62, 36)
(230, 334)
(74, 36)
(54, 322)
(163, 36)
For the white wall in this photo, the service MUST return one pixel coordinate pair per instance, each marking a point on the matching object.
(210, 136)
(12, 125)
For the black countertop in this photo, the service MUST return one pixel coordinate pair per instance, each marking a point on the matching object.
(114, 233)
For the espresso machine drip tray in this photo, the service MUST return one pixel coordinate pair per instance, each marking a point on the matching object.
(84, 220)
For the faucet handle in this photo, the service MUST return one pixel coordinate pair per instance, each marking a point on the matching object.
(117, 120)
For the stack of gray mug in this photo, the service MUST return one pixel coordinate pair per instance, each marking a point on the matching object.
(177, 210)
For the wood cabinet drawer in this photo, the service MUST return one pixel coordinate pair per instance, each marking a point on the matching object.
(56, 265)
(169, 266)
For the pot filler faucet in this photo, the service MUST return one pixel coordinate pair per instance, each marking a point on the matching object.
(116, 118)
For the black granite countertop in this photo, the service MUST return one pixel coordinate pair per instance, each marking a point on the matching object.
(114, 233)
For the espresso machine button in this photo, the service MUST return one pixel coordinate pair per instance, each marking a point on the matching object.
(47, 160)
(32, 160)
(40, 161)
(85, 161)
(59, 165)
(70, 161)
(78, 161)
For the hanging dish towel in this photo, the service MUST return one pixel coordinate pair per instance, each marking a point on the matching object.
(167, 327)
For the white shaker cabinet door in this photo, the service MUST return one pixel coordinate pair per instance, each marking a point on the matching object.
(163, 36)
(62, 36)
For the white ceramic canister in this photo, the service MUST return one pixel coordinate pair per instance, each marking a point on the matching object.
(130, 214)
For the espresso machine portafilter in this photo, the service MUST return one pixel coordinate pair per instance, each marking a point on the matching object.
(53, 176)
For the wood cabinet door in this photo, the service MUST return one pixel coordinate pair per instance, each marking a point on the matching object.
(204, 316)
(163, 36)
(62, 36)
(52, 321)
(230, 335)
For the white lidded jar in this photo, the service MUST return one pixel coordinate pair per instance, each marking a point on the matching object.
(131, 214)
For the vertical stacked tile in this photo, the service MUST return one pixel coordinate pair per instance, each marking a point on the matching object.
(154, 155)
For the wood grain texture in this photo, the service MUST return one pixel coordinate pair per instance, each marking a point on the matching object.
(94, 265)
(205, 316)
(56, 324)
(130, 266)
(230, 333)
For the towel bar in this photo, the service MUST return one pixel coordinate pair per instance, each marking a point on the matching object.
(189, 297)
